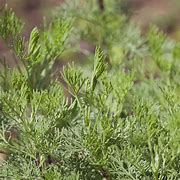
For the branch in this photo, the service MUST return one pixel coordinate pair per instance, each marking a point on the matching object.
(101, 5)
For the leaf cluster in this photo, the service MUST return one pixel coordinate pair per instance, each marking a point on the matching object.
(100, 122)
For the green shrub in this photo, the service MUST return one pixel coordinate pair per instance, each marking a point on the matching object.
(119, 119)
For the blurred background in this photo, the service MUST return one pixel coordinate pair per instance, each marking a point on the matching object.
(164, 13)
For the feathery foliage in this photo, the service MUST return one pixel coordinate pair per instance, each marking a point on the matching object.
(119, 119)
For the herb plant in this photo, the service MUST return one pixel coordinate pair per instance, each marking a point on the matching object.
(118, 118)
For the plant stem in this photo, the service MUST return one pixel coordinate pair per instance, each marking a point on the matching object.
(101, 4)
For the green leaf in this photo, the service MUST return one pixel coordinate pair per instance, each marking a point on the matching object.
(99, 67)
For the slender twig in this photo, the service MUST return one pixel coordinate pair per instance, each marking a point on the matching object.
(101, 4)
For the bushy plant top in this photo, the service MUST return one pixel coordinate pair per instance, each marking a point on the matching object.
(116, 119)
